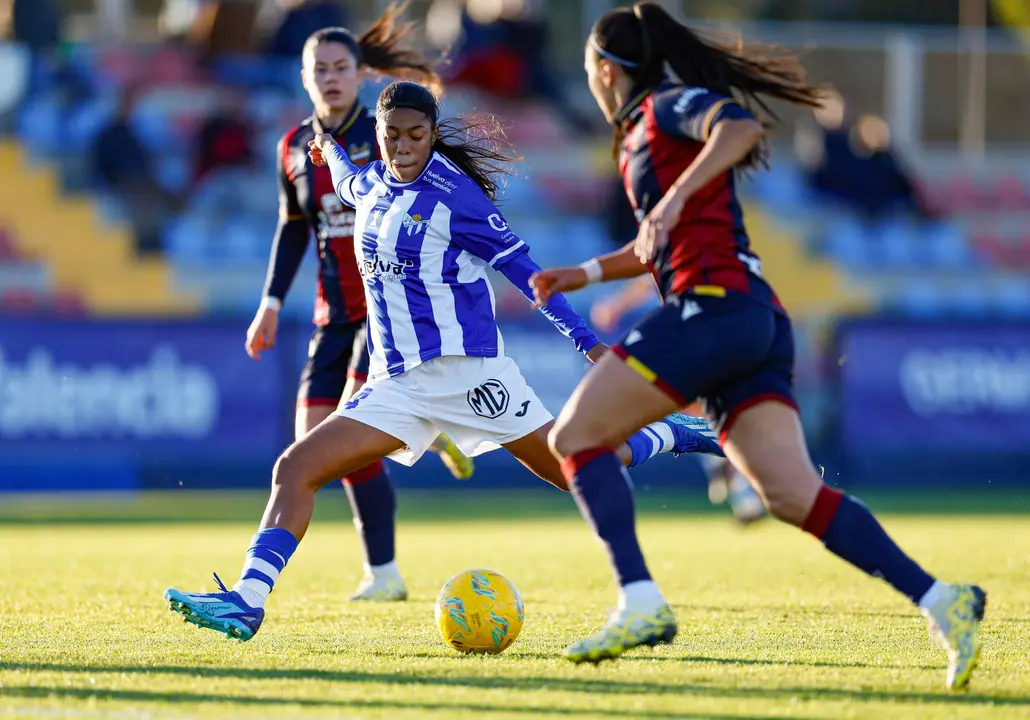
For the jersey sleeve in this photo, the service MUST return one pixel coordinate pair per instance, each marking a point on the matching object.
(289, 206)
(692, 113)
(479, 228)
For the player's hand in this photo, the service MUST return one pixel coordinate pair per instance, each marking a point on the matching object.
(556, 280)
(597, 352)
(317, 147)
(262, 332)
(653, 234)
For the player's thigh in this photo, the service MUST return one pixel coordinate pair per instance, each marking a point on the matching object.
(611, 403)
(534, 452)
(757, 419)
(336, 447)
(308, 417)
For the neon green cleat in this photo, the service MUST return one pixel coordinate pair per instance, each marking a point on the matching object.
(954, 620)
(460, 465)
(625, 630)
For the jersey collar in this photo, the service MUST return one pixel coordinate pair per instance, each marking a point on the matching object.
(629, 113)
(355, 112)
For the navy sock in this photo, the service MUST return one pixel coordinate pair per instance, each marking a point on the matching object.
(850, 531)
(267, 556)
(599, 484)
(374, 504)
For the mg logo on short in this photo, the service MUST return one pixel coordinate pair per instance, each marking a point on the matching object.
(489, 400)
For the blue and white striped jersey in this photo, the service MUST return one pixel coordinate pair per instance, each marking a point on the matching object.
(423, 248)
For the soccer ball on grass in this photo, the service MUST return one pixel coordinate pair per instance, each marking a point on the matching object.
(479, 611)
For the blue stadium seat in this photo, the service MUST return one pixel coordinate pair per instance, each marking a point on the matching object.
(921, 299)
(896, 245)
(947, 246)
(848, 243)
(1012, 297)
(973, 299)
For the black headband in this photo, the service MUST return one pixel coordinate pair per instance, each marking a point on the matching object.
(409, 95)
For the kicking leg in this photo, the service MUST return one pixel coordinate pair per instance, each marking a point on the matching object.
(336, 447)
(766, 443)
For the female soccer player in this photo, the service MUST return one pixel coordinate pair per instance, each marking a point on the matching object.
(333, 65)
(426, 231)
(720, 336)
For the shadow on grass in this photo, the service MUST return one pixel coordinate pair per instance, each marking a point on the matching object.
(140, 696)
(561, 684)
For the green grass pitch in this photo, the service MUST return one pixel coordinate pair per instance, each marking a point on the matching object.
(771, 626)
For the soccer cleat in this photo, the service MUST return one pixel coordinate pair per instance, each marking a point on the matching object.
(954, 620)
(380, 589)
(225, 612)
(692, 435)
(460, 465)
(625, 630)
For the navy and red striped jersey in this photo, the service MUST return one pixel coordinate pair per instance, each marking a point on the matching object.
(306, 194)
(665, 130)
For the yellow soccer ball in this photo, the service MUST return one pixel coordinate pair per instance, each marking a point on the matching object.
(479, 611)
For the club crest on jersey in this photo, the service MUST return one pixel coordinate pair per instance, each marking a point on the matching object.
(489, 400)
(414, 224)
(359, 154)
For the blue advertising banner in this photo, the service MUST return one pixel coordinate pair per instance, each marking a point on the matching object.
(83, 402)
(960, 388)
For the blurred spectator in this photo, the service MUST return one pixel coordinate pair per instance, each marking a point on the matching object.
(122, 167)
(854, 164)
(225, 139)
(299, 19)
(500, 47)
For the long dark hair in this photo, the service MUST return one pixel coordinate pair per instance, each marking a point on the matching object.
(645, 38)
(477, 143)
(383, 47)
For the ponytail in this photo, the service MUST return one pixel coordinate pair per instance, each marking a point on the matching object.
(477, 144)
(382, 47)
(645, 39)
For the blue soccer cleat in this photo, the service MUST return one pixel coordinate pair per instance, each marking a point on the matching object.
(692, 435)
(225, 612)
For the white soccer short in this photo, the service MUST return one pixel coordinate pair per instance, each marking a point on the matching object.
(481, 403)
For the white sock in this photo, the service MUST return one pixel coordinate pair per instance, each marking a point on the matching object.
(662, 438)
(389, 571)
(932, 595)
(642, 595)
(253, 591)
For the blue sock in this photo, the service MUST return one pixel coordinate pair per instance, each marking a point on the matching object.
(644, 444)
(849, 530)
(374, 504)
(267, 555)
(599, 484)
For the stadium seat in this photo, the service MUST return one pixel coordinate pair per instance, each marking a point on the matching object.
(848, 243)
(920, 299)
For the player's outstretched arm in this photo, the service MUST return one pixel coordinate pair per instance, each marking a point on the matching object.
(618, 265)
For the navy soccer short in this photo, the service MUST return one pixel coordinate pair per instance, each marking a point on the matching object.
(337, 351)
(727, 351)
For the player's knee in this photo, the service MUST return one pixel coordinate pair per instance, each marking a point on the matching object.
(789, 499)
(564, 439)
(288, 473)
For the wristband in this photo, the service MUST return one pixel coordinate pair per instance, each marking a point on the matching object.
(593, 269)
(271, 303)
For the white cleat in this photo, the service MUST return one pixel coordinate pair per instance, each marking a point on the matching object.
(380, 589)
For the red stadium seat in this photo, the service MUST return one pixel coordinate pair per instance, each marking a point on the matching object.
(20, 301)
(68, 302)
(1009, 193)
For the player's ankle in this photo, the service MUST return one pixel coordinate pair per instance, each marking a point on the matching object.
(641, 595)
(386, 571)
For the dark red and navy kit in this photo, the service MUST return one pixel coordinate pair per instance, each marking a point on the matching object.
(308, 203)
(721, 336)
